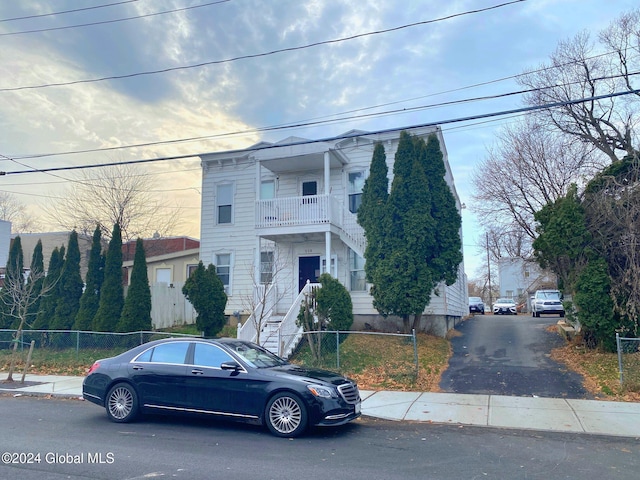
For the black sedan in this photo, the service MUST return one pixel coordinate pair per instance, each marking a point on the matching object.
(225, 378)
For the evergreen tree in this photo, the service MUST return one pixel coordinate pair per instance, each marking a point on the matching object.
(413, 234)
(13, 276)
(372, 210)
(51, 283)
(333, 304)
(111, 294)
(93, 283)
(446, 255)
(205, 291)
(36, 272)
(136, 314)
(70, 289)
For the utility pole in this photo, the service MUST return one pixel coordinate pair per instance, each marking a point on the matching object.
(489, 272)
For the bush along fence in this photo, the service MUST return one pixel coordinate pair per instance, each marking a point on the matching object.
(394, 354)
(80, 340)
(629, 362)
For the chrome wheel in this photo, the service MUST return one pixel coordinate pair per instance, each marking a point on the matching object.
(286, 415)
(122, 403)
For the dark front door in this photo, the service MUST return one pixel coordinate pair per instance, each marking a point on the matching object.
(308, 269)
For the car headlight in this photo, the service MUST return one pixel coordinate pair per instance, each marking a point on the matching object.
(321, 391)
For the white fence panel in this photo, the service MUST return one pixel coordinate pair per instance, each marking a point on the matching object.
(169, 307)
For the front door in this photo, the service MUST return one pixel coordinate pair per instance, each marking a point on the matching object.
(308, 269)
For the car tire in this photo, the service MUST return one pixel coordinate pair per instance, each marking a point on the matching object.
(286, 415)
(122, 403)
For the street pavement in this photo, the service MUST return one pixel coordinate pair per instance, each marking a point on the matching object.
(498, 411)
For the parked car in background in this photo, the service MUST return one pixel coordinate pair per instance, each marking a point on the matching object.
(476, 305)
(547, 301)
(505, 306)
(225, 378)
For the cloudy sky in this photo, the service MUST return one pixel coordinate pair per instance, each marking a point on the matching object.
(143, 74)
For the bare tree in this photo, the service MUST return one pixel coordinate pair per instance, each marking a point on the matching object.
(116, 194)
(578, 70)
(529, 166)
(266, 292)
(12, 210)
(19, 296)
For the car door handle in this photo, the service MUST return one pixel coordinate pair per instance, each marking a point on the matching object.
(197, 371)
(138, 367)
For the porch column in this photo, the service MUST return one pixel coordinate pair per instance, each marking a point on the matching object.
(327, 174)
(327, 252)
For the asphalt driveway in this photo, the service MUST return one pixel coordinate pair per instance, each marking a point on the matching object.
(509, 355)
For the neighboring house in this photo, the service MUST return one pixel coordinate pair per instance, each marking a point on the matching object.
(5, 242)
(519, 279)
(170, 261)
(275, 216)
(51, 240)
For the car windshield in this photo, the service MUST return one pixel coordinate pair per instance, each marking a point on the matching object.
(505, 300)
(475, 300)
(254, 355)
(550, 295)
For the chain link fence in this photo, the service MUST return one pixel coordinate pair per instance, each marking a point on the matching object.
(389, 355)
(629, 362)
(76, 340)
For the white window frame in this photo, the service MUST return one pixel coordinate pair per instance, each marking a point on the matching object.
(230, 185)
(263, 267)
(334, 265)
(352, 270)
(227, 288)
(351, 190)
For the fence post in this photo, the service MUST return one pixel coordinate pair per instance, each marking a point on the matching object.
(619, 346)
(338, 350)
(141, 337)
(77, 343)
(415, 351)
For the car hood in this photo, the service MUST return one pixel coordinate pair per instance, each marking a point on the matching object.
(310, 375)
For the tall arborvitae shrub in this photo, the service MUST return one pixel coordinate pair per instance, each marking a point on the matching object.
(136, 314)
(205, 291)
(93, 283)
(13, 276)
(51, 283)
(70, 289)
(112, 293)
(37, 271)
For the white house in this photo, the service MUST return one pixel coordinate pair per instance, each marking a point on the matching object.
(275, 216)
(519, 279)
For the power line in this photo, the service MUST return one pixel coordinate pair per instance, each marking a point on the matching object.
(66, 11)
(263, 54)
(339, 137)
(113, 21)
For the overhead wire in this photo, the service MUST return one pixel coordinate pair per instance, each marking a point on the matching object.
(261, 54)
(63, 12)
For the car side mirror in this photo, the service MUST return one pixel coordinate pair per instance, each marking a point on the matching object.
(233, 366)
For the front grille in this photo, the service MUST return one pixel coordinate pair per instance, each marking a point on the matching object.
(349, 391)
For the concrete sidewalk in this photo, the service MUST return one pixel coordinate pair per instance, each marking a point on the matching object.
(528, 413)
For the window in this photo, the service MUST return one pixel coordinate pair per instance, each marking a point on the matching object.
(223, 269)
(356, 270)
(191, 269)
(167, 353)
(267, 190)
(224, 200)
(163, 275)
(209, 356)
(356, 184)
(266, 268)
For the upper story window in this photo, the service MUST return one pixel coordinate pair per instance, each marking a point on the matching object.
(224, 203)
(223, 270)
(356, 184)
(267, 189)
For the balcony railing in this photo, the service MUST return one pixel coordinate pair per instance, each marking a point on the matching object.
(292, 211)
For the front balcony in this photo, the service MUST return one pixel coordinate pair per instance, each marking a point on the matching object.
(298, 212)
